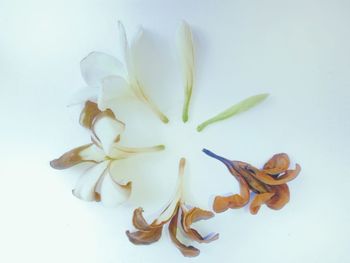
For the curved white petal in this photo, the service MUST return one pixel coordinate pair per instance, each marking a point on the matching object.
(93, 153)
(112, 193)
(86, 186)
(113, 87)
(107, 130)
(186, 51)
(124, 47)
(134, 60)
(83, 95)
(170, 208)
(97, 65)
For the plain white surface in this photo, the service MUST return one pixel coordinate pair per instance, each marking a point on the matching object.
(296, 50)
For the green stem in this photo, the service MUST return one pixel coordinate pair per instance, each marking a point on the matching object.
(186, 106)
(242, 106)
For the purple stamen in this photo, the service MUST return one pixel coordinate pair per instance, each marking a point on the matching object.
(227, 162)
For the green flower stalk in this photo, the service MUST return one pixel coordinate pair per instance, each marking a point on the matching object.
(186, 53)
(242, 106)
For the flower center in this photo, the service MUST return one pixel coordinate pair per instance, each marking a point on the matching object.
(182, 140)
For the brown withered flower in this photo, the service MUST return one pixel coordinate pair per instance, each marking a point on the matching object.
(268, 183)
(180, 216)
(99, 182)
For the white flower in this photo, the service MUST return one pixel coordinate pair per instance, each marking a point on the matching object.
(98, 183)
(186, 53)
(109, 78)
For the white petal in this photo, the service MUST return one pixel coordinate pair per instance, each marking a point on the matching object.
(113, 87)
(185, 45)
(113, 194)
(86, 186)
(170, 208)
(83, 95)
(107, 130)
(134, 56)
(97, 65)
(124, 46)
(93, 153)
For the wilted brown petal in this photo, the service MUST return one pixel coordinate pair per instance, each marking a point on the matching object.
(187, 251)
(145, 237)
(280, 198)
(139, 221)
(147, 234)
(222, 203)
(279, 163)
(85, 153)
(88, 114)
(245, 170)
(193, 215)
(286, 177)
(259, 200)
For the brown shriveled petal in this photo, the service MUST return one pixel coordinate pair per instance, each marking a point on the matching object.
(187, 251)
(147, 234)
(88, 114)
(245, 170)
(279, 163)
(193, 215)
(222, 203)
(280, 198)
(145, 237)
(71, 158)
(286, 177)
(259, 200)
(139, 221)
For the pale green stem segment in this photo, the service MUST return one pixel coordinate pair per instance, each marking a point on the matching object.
(242, 106)
(188, 94)
(155, 148)
(142, 95)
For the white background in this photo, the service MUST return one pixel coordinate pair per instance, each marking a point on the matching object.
(299, 51)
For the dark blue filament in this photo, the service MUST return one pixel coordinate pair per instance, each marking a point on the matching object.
(220, 158)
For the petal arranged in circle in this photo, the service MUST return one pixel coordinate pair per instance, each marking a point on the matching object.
(174, 203)
(112, 88)
(112, 193)
(107, 130)
(284, 178)
(87, 183)
(186, 52)
(146, 234)
(145, 237)
(193, 215)
(280, 198)
(259, 200)
(279, 163)
(222, 203)
(125, 49)
(97, 65)
(187, 251)
(85, 153)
